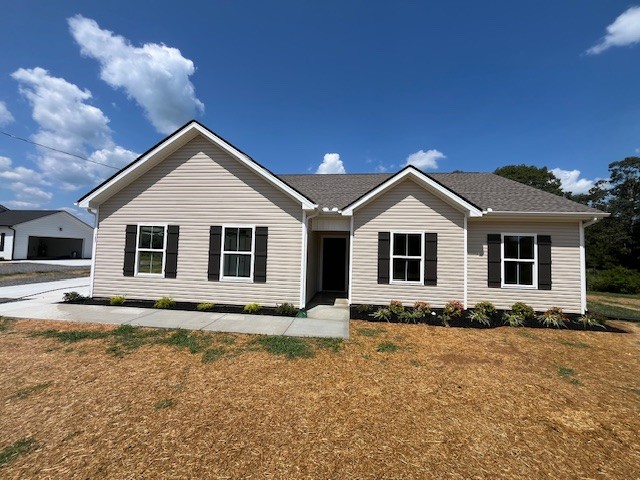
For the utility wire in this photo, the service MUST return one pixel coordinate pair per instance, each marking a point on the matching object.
(56, 150)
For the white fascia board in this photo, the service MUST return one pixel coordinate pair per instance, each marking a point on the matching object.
(556, 215)
(441, 191)
(121, 179)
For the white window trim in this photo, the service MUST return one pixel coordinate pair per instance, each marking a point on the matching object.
(138, 249)
(534, 286)
(248, 279)
(392, 256)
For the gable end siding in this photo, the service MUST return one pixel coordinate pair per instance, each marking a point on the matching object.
(408, 207)
(197, 187)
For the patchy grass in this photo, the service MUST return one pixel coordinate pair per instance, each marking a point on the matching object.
(290, 347)
(370, 332)
(195, 342)
(164, 403)
(336, 414)
(569, 375)
(5, 324)
(72, 336)
(212, 354)
(13, 451)
(571, 343)
(333, 344)
(613, 311)
(387, 347)
(27, 391)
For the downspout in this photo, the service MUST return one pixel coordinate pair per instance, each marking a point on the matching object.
(583, 267)
(96, 212)
(466, 215)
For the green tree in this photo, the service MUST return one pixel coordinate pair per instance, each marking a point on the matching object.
(537, 177)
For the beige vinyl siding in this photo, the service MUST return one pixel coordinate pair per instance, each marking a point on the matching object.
(196, 187)
(408, 207)
(565, 265)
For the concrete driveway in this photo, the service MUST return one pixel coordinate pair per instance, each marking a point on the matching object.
(41, 301)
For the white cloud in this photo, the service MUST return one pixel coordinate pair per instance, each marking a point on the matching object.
(155, 76)
(638, 150)
(571, 181)
(5, 115)
(625, 30)
(331, 164)
(25, 185)
(67, 122)
(423, 160)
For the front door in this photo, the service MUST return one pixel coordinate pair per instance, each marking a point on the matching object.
(334, 264)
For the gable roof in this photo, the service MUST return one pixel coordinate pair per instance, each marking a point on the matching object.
(9, 218)
(170, 144)
(487, 191)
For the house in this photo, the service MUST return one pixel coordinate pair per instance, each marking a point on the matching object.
(197, 219)
(43, 234)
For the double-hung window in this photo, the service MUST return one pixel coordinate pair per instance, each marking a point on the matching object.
(406, 257)
(519, 260)
(151, 249)
(237, 253)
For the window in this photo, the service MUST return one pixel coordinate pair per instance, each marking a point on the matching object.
(519, 260)
(406, 257)
(151, 249)
(237, 253)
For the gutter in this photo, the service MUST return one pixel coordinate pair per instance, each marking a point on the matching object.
(588, 223)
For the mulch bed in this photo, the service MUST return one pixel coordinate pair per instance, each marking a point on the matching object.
(507, 403)
(187, 306)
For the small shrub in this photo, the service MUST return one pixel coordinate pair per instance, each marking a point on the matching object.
(589, 320)
(513, 319)
(410, 316)
(364, 308)
(251, 308)
(382, 314)
(396, 307)
(205, 307)
(524, 310)
(117, 300)
(424, 307)
(387, 347)
(453, 308)
(553, 317)
(615, 280)
(165, 302)
(482, 313)
(73, 297)
(445, 319)
(286, 309)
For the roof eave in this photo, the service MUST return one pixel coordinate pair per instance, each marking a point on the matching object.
(576, 215)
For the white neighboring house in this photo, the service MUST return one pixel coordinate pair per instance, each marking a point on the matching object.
(43, 234)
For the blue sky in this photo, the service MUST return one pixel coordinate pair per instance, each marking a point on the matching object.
(317, 86)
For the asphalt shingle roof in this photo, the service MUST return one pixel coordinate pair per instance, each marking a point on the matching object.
(14, 217)
(484, 190)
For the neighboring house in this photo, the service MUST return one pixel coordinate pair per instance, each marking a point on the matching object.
(43, 234)
(197, 219)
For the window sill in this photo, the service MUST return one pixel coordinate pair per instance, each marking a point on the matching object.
(236, 280)
(402, 282)
(519, 287)
(150, 275)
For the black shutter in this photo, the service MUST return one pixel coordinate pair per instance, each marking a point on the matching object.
(544, 262)
(260, 258)
(215, 248)
(494, 277)
(171, 262)
(2, 241)
(384, 245)
(431, 259)
(130, 251)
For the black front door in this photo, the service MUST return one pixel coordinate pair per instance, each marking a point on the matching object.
(334, 264)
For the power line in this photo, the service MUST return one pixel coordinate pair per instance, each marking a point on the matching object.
(57, 150)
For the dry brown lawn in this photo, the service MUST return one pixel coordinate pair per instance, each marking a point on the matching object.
(449, 403)
(631, 302)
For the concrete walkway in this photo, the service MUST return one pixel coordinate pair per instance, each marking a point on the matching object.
(43, 304)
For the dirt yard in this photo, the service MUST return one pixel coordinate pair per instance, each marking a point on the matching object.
(395, 401)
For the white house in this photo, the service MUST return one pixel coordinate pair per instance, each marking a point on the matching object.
(43, 234)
